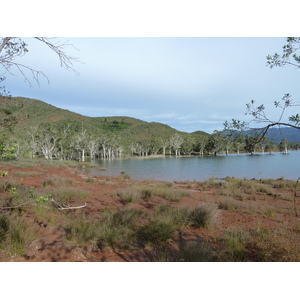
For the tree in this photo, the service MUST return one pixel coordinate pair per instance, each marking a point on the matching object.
(48, 137)
(13, 47)
(176, 141)
(201, 145)
(188, 145)
(165, 143)
(288, 57)
(283, 146)
(92, 145)
(33, 133)
(227, 142)
(270, 146)
(215, 142)
(81, 142)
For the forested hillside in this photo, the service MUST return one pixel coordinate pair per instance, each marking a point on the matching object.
(32, 128)
(37, 128)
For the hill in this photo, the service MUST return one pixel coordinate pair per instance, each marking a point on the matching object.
(278, 134)
(275, 134)
(34, 113)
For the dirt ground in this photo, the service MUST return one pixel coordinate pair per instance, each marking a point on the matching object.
(274, 212)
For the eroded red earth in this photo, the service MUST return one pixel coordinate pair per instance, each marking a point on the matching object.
(275, 213)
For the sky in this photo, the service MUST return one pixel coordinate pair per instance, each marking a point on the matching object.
(188, 83)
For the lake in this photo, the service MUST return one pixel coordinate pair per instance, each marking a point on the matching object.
(197, 168)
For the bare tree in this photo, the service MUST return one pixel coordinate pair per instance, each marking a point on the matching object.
(81, 142)
(176, 141)
(33, 133)
(165, 143)
(13, 47)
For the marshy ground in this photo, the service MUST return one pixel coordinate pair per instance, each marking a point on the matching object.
(121, 219)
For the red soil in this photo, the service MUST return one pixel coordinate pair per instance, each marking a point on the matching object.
(50, 246)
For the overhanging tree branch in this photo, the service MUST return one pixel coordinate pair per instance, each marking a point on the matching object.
(12, 47)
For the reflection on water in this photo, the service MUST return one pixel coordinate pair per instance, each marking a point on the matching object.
(247, 166)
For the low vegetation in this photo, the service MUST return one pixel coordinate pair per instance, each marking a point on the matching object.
(214, 220)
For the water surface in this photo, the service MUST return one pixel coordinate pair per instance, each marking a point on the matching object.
(247, 166)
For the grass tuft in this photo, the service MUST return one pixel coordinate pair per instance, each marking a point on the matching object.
(203, 216)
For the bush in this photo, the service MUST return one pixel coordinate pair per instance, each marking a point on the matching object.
(203, 216)
(165, 222)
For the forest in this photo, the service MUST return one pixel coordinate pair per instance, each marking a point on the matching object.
(32, 128)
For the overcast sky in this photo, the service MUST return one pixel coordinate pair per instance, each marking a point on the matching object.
(187, 83)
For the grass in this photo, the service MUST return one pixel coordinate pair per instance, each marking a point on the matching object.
(203, 216)
(163, 224)
(137, 193)
(90, 180)
(157, 232)
(236, 241)
(228, 203)
(261, 244)
(62, 194)
(15, 234)
(194, 251)
(130, 195)
(40, 162)
(114, 229)
(27, 173)
(124, 228)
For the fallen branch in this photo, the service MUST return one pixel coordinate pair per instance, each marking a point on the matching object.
(62, 208)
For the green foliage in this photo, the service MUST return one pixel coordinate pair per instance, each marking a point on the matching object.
(3, 173)
(40, 124)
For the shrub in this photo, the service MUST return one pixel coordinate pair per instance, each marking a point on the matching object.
(170, 193)
(228, 204)
(90, 180)
(203, 216)
(164, 223)
(47, 181)
(130, 195)
(118, 229)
